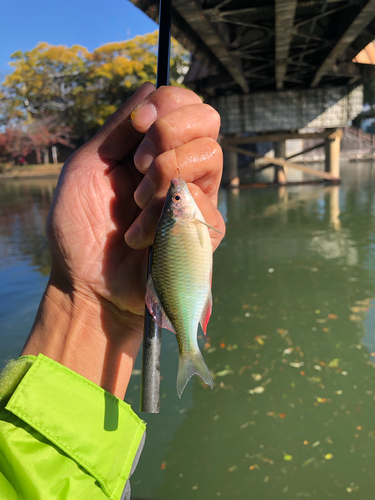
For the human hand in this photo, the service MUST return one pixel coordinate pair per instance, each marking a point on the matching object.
(95, 204)
(102, 196)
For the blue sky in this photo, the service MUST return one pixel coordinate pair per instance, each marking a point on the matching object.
(24, 23)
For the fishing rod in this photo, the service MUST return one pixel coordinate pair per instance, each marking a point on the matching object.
(150, 384)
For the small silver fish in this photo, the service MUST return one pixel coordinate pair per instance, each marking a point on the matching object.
(178, 292)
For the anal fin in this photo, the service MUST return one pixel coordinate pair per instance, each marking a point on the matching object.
(206, 312)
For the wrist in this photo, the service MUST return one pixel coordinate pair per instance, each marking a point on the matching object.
(87, 334)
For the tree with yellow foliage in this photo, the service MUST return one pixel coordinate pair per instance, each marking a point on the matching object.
(82, 88)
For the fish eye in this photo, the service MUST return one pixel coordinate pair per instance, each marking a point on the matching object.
(176, 197)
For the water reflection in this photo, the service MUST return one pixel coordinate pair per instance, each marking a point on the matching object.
(23, 212)
(24, 258)
(291, 344)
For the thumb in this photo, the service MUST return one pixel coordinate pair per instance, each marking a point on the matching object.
(118, 137)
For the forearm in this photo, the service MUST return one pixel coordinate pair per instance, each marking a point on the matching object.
(87, 334)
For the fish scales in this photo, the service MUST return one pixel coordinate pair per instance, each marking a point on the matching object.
(179, 280)
(179, 287)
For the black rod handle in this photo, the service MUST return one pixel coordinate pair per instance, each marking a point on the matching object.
(150, 383)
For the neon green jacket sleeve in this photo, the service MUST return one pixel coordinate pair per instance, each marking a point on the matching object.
(62, 436)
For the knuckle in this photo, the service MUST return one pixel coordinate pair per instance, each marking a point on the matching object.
(161, 128)
(169, 94)
(212, 114)
(166, 164)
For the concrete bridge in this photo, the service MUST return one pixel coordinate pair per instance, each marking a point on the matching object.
(276, 70)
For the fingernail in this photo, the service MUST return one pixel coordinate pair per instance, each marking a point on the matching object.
(144, 155)
(144, 192)
(144, 115)
(133, 234)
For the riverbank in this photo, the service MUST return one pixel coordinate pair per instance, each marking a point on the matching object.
(28, 171)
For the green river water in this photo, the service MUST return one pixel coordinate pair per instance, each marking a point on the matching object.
(291, 345)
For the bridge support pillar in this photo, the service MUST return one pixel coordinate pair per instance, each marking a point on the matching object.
(230, 174)
(280, 152)
(332, 150)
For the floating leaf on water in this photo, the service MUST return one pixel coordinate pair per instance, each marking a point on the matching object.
(194, 487)
(136, 372)
(321, 320)
(297, 365)
(246, 424)
(163, 465)
(314, 380)
(355, 317)
(247, 315)
(317, 367)
(339, 392)
(255, 466)
(344, 373)
(257, 390)
(358, 309)
(329, 440)
(317, 443)
(288, 458)
(288, 350)
(271, 414)
(259, 339)
(334, 363)
(317, 311)
(282, 331)
(212, 349)
(308, 462)
(305, 442)
(231, 469)
(271, 270)
(266, 479)
(216, 417)
(328, 456)
(256, 376)
(352, 487)
(223, 373)
(332, 316)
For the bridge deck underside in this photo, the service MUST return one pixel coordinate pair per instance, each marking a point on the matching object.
(242, 46)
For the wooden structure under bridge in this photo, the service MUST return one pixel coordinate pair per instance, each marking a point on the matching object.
(276, 70)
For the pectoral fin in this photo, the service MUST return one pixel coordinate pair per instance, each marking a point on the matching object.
(209, 226)
(154, 306)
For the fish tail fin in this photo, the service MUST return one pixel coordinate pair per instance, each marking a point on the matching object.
(190, 364)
